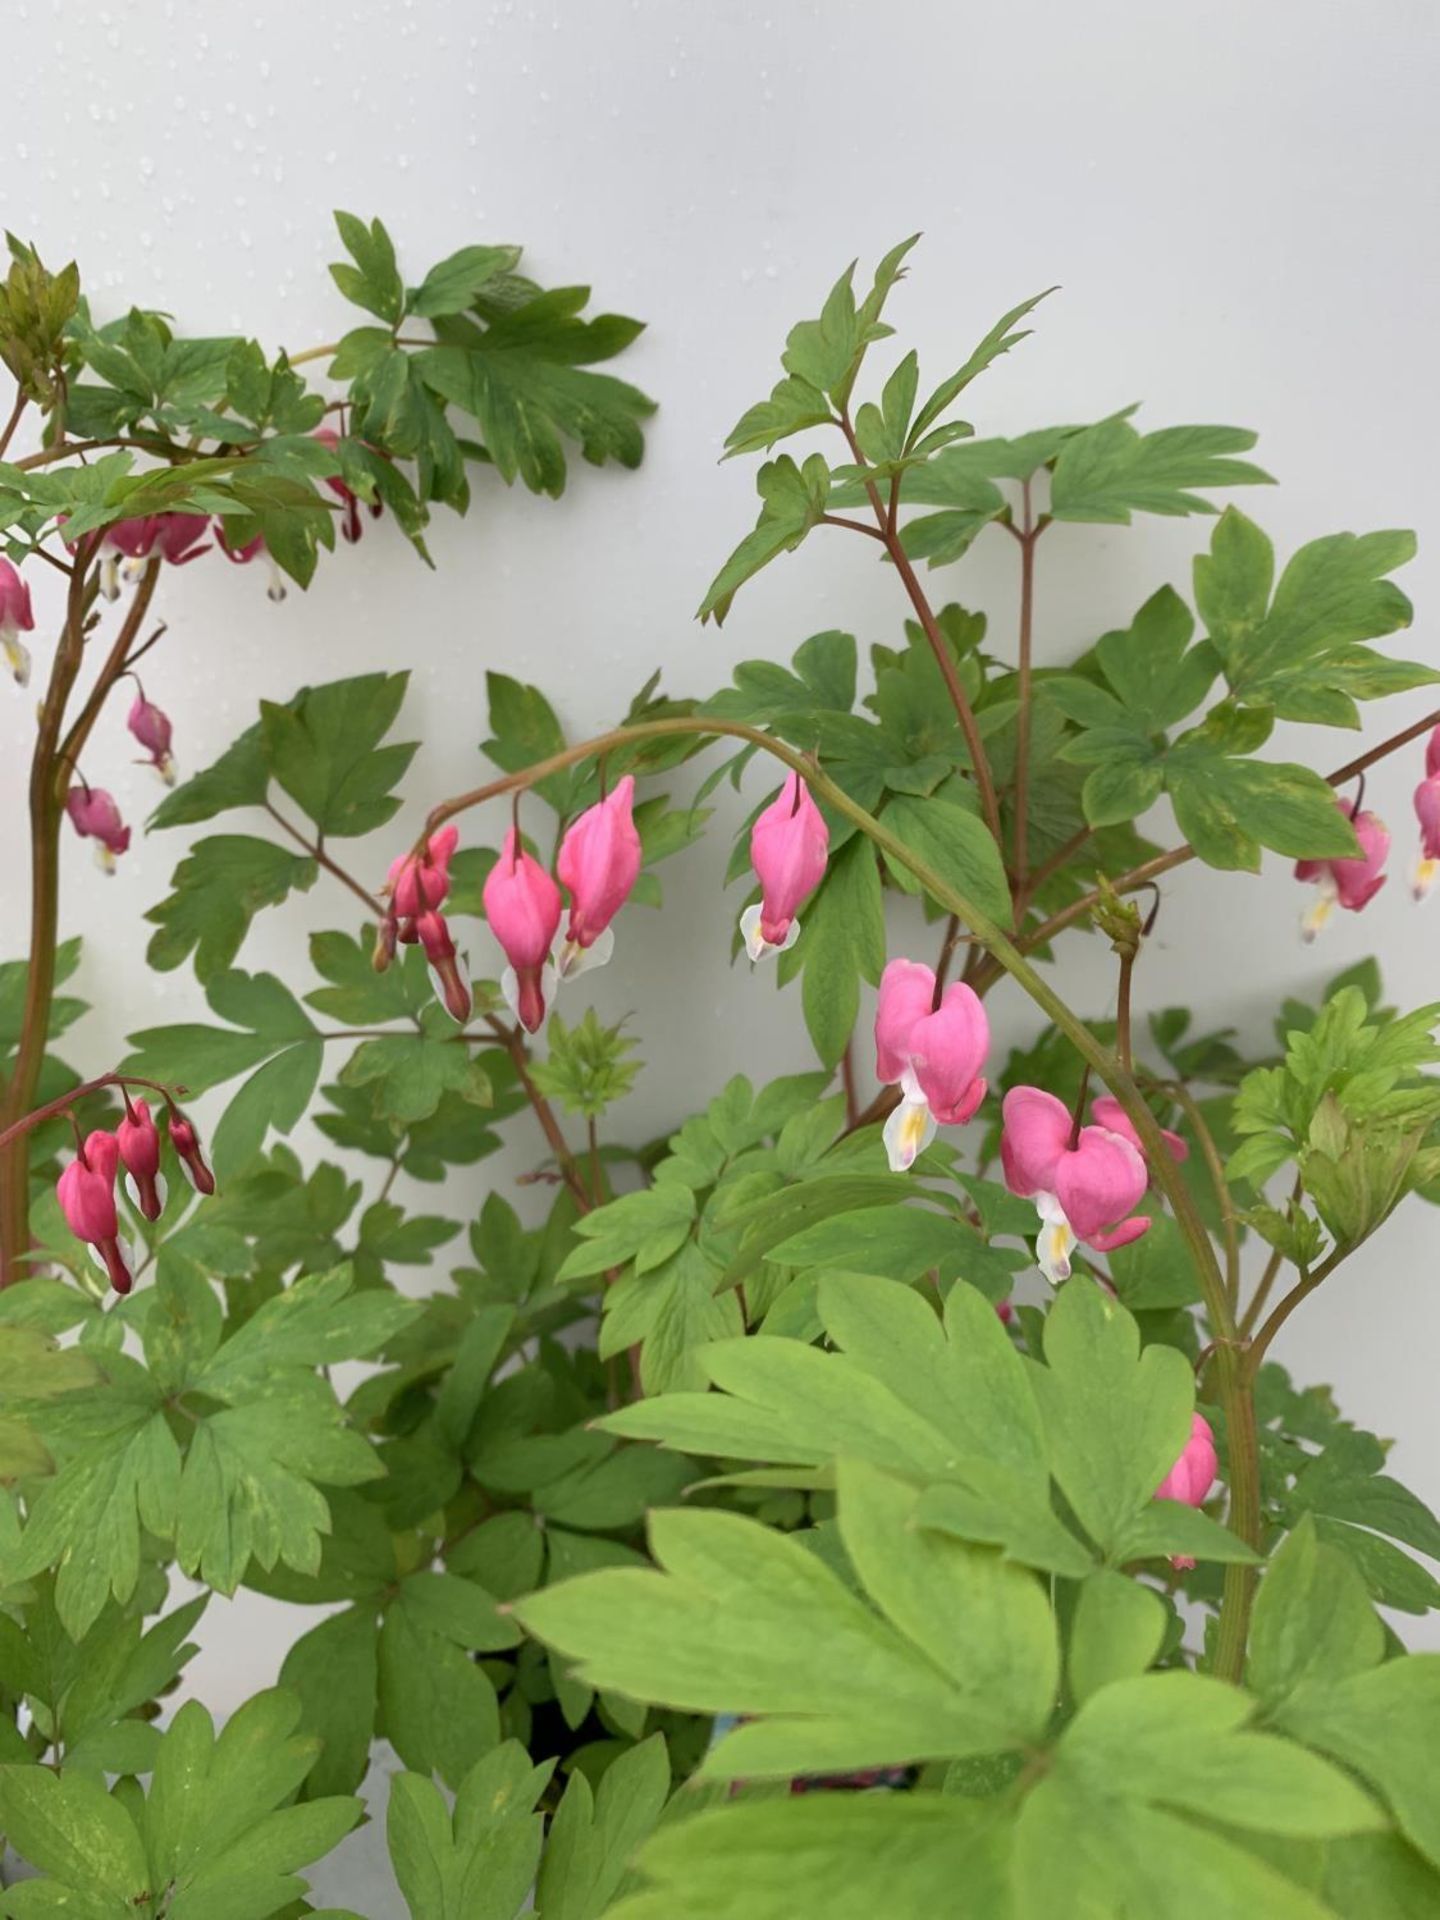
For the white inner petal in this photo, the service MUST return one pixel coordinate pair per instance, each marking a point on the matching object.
(908, 1131)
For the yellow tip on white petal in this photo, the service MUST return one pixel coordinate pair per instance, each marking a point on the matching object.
(1053, 1250)
(17, 658)
(104, 858)
(1314, 922)
(1426, 873)
(908, 1131)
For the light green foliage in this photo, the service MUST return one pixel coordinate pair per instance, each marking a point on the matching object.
(724, 1422)
(585, 1068)
(477, 1862)
(212, 1840)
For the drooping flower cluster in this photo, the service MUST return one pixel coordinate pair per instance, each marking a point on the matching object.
(86, 1187)
(933, 1047)
(788, 846)
(598, 864)
(1085, 1181)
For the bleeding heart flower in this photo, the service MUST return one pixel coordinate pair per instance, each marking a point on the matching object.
(186, 1142)
(434, 936)
(1083, 1184)
(152, 729)
(788, 845)
(418, 883)
(252, 550)
(1107, 1112)
(1192, 1476)
(351, 525)
(16, 617)
(1427, 812)
(1353, 883)
(128, 546)
(522, 904)
(934, 1054)
(599, 862)
(138, 1139)
(95, 816)
(86, 1192)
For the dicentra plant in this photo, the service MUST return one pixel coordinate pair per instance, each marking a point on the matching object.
(919, 1437)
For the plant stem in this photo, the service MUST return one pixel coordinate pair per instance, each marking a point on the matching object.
(67, 1100)
(544, 1112)
(13, 422)
(49, 778)
(318, 854)
(1028, 535)
(597, 1182)
(1303, 1288)
(1215, 1167)
(1122, 1011)
(939, 645)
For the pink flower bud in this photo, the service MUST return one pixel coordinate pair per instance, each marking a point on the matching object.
(95, 816)
(186, 1142)
(176, 537)
(788, 845)
(434, 936)
(599, 862)
(1352, 883)
(1192, 1476)
(1083, 1185)
(86, 1192)
(252, 549)
(1109, 1113)
(16, 617)
(139, 1142)
(418, 883)
(935, 1054)
(152, 729)
(180, 537)
(522, 904)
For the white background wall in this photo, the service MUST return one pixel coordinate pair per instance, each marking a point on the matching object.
(1239, 200)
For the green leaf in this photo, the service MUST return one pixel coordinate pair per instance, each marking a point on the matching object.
(451, 286)
(219, 887)
(239, 778)
(198, 1058)
(647, 1227)
(479, 1863)
(1000, 339)
(1228, 809)
(794, 500)
(594, 1835)
(333, 1671)
(374, 281)
(1332, 596)
(853, 1856)
(1116, 1418)
(1382, 1724)
(1313, 1618)
(77, 1835)
(437, 1707)
(1115, 1633)
(523, 376)
(1109, 471)
(956, 846)
(277, 1096)
(744, 1619)
(842, 941)
(411, 1073)
(325, 750)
